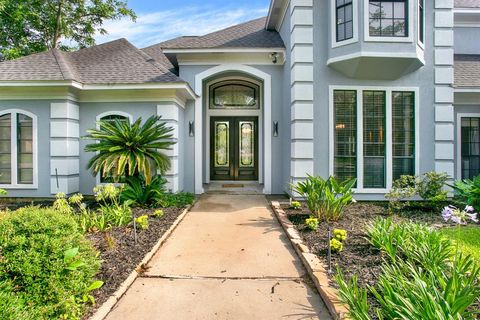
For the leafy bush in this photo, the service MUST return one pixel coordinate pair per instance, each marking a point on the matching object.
(430, 186)
(142, 222)
(139, 192)
(296, 205)
(468, 191)
(46, 266)
(312, 223)
(326, 199)
(177, 200)
(425, 277)
(403, 188)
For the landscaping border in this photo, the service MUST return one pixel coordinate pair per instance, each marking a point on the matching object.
(108, 305)
(314, 266)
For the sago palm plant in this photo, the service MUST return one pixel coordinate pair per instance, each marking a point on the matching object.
(125, 149)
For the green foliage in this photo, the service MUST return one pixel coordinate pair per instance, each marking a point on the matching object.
(158, 213)
(326, 199)
(403, 189)
(296, 205)
(142, 222)
(424, 278)
(122, 148)
(428, 186)
(340, 234)
(3, 192)
(177, 200)
(46, 265)
(467, 239)
(468, 191)
(336, 245)
(61, 204)
(312, 223)
(31, 26)
(139, 192)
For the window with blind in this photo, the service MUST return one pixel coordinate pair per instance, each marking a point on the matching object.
(16, 149)
(344, 19)
(109, 177)
(374, 161)
(403, 133)
(345, 105)
(470, 147)
(388, 18)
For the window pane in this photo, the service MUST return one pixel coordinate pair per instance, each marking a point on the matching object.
(349, 13)
(5, 149)
(375, 29)
(403, 133)
(234, 95)
(341, 32)
(399, 28)
(341, 15)
(374, 139)
(348, 30)
(345, 137)
(387, 27)
(470, 145)
(24, 149)
(387, 9)
(375, 10)
(388, 18)
(399, 10)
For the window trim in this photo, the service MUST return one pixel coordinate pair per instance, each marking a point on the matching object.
(333, 21)
(14, 146)
(98, 118)
(388, 132)
(458, 140)
(366, 18)
(421, 26)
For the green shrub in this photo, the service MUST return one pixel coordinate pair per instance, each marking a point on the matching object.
(142, 222)
(139, 192)
(403, 189)
(177, 200)
(312, 223)
(425, 277)
(468, 191)
(326, 199)
(430, 187)
(46, 266)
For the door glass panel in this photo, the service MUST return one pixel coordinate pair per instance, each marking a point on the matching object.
(247, 144)
(222, 136)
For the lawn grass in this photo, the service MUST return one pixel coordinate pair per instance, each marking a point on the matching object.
(468, 239)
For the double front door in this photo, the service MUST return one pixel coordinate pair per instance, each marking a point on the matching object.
(234, 148)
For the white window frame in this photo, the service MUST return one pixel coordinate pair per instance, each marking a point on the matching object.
(458, 140)
(388, 132)
(333, 24)
(98, 118)
(421, 27)
(14, 151)
(366, 23)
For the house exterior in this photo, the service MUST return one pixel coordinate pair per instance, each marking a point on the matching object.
(352, 88)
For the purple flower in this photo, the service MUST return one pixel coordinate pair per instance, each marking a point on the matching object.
(473, 217)
(456, 219)
(457, 216)
(447, 213)
(469, 209)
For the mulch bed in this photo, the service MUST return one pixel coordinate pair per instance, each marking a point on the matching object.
(120, 254)
(358, 256)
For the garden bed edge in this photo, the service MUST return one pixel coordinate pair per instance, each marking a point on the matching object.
(108, 305)
(314, 266)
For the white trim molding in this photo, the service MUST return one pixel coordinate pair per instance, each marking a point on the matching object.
(410, 18)
(13, 149)
(333, 24)
(388, 132)
(267, 125)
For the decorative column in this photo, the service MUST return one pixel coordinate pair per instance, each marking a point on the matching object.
(171, 114)
(301, 79)
(64, 147)
(444, 93)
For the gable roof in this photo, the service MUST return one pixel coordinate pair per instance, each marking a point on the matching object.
(250, 34)
(467, 71)
(109, 63)
(467, 3)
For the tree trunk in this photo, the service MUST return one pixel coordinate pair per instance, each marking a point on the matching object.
(56, 34)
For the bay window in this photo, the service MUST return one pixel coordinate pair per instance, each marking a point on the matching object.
(344, 19)
(17, 152)
(388, 18)
(374, 136)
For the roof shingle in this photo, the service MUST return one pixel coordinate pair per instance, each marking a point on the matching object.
(467, 70)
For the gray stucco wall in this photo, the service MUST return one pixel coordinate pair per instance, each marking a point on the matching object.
(188, 73)
(41, 108)
(466, 40)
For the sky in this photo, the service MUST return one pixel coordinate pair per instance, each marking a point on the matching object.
(160, 20)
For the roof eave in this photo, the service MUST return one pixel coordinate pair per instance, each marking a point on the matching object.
(275, 14)
(222, 50)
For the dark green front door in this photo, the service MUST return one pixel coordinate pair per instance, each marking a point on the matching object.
(234, 148)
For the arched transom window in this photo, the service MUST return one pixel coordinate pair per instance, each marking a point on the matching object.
(17, 148)
(234, 94)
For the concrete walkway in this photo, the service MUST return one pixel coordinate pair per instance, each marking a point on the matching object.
(228, 259)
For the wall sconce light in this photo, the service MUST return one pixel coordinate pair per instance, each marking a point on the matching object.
(191, 128)
(275, 128)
